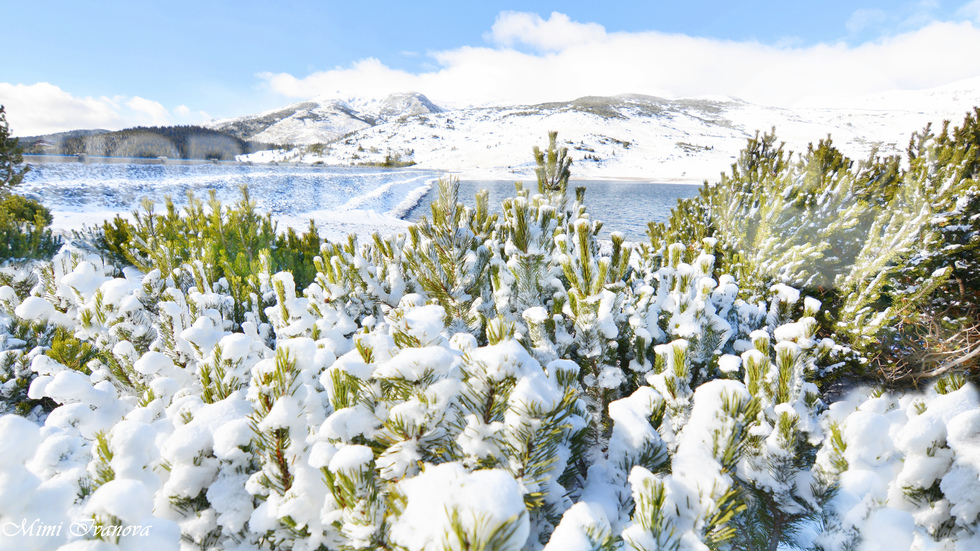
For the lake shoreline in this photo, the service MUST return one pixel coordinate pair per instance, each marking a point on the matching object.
(463, 175)
(340, 200)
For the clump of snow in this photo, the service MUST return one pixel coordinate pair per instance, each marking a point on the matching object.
(351, 458)
(582, 527)
(479, 502)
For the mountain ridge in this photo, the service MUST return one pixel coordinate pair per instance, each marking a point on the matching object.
(622, 136)
(323, 119)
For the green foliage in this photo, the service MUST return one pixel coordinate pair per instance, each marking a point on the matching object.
(343, 282)
(277, 379)
(26, 240)
(214, 242)
(24, 232)
(889, 251)
(936, 295)
(554, 170)
(500, 538)
(449, 259)
(11, 157)
(16, 374)
(25, 209)
(71, 352)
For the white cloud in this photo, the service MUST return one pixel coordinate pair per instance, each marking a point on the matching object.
(864, 18)
(970, 10)
(552, 35)
(362, 78)
(153, 113)
(44, 108)
(576, 59)
(185, 115)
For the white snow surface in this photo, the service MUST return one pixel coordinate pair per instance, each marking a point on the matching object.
(625, 136)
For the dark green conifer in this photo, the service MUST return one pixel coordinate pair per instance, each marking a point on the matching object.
(11, 157)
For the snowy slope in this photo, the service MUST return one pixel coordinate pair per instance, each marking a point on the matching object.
(324, 119)
(626, 136)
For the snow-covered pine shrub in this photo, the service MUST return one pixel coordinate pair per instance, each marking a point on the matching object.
(593, 302)
(939, 324)
(561, 391)
(753, 484)
(877, 243)
(286, 408)
(24, 231)
(408, 397)
(12, 167)
(799, 223)
(228, 241)
(449, 260)
(908, 469)
(553, 171)
(524, 271)
(359, 282)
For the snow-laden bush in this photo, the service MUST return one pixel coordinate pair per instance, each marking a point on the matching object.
(890, 247)
(309, 428)
(908, 470)
(485, 382)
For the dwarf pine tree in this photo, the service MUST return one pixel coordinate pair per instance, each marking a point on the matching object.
(24, 222)
(282, 397)
(553, 171)
(938, 322)
(525, 285)
(449, 259)
(358, 282)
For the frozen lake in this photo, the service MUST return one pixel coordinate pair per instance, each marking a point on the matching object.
(340, 200)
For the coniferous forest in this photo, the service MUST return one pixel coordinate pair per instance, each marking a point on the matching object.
(790, 361)
(173, 142)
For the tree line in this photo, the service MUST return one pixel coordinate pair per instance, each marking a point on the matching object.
(175, 142)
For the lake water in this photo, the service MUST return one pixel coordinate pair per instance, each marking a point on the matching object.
(622, 206)
(338, 199)
(279, 189)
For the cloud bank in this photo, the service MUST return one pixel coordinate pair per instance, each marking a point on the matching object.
(531, 59)
(528, 58)
(44, 108)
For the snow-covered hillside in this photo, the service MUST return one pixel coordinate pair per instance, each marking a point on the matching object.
(626, 136)
(323, 119)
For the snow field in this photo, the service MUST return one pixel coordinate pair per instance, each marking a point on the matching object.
(687, 140)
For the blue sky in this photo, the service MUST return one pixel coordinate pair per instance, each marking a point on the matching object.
(110, 64)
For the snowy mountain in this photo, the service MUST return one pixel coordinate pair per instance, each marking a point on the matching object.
(324, 119)
(625, 136)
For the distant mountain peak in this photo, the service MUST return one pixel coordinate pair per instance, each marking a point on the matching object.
(325, 118)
